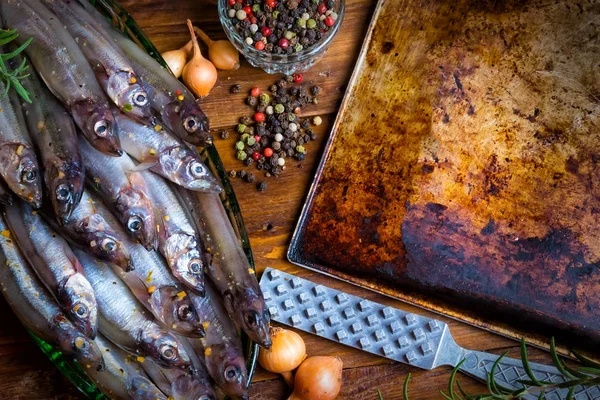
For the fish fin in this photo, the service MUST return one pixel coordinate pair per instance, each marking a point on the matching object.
(144, 166)
(73, 258)
(137, 181)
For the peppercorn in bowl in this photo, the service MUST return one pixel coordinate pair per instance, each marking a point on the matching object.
(281, 36)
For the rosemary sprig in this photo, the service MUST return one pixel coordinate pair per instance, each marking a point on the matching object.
(588, 374)
(12, 78)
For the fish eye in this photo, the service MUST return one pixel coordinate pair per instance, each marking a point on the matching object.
(251, 318)
(81, 343)
(191, 124)
(134, 224)
(184, 312)
(28, 175)
(101, 128)
(140, 98)
(63, 192)
(205, 397)
(167, 351)
(231, 373)
(81, 310)
(109, 244)
(197, 169)
(195, 266)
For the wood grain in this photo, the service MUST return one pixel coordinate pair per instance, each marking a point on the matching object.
(269, 216)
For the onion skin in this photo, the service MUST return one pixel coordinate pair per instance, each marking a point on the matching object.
(176, 60)
(199, 74)
(318, 378)
(220, 52)
(286, 353)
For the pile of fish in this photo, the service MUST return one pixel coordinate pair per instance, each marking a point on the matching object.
(111, 219)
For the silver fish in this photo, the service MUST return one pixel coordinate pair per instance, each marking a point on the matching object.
(166, 155)
(125, 192)
(125, 322)
(37, 309)
(64, 69)
(89, 230)
(18, 163)
(56, 265)
(53, 132)
(177, 239)
(221, 348)
(154, 286)
(123, 378)
(112, 68)
(178, 109)
(181, 385)
(228, 266)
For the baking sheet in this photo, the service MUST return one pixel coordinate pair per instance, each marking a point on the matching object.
(462, 173)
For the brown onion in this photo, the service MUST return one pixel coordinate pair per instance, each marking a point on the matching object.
(286, 353)
(199, 74)
(318, 378)
(220, 52)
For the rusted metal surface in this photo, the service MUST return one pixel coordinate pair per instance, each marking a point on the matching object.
(463, 173)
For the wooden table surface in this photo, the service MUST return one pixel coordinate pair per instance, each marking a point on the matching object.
(270, 218)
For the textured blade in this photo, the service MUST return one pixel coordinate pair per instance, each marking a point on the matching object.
(378, 329)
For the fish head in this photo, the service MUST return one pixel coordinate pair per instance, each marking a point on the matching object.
(137, 215)
(21, 172)
(79, 303)
(177, 311)
(192, 386)
(65, 183)
(228, 368)
(71, 341)
(189, 122)
(134, 100)
(188, 266)
(142, 388)
(181, 166)
(98, 125)
(102, 241)
(163, 348)
(249, 311)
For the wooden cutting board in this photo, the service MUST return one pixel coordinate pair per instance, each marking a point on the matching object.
(463, 173)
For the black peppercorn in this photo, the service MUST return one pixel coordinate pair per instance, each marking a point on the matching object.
(251, 101)
(244, 120)
(235, 89)
(242, 174)
(330, 3)
(315, 90)
(248, 161)
(300, 141)
(261, 108)
(250, 178)
(282, 83)
(293, 91)
(262, 186)
(274, 88)
(300, 156)
(276, 146)
(224, 135)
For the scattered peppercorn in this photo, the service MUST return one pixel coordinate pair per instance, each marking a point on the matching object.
(224, 135)
(235, 89)
(262, 186)
(250, 178)
(251, 101)
(232, 173)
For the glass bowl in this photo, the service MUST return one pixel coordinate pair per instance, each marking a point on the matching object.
(281, 63)
(69, 368)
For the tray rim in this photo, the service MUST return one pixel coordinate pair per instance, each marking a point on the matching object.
(453, 312)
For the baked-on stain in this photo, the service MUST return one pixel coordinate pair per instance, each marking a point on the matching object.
(476, 178)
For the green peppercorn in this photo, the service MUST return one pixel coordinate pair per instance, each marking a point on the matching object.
(244, 137)
(315, 1)
(276, 13)
(265, 98)
(289, 35)
(301, 23)
(239, 146)
(256, 8)
(251, 141)
(298, 47)
(241, 128)
(291, 117)
(311, 24)
(241, 155)
(301, 149)
(279, 108)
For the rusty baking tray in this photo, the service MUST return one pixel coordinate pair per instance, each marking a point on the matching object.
(463, 170)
